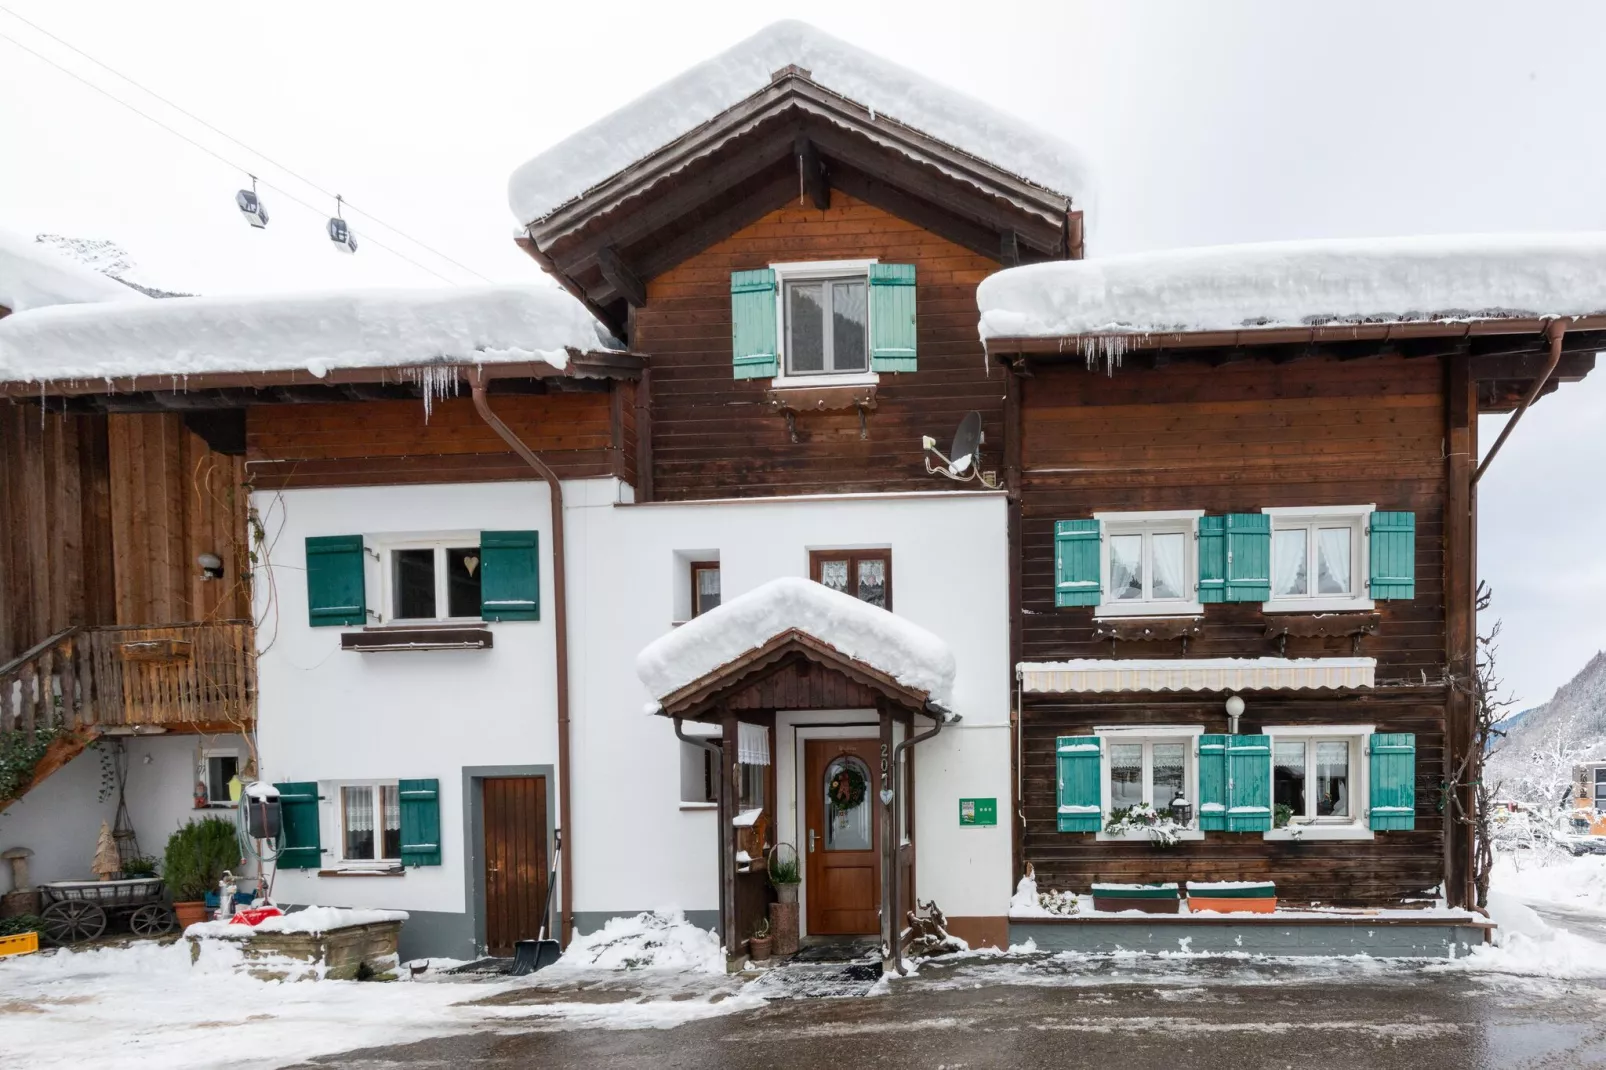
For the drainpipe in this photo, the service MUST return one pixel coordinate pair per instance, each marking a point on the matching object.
(897, 838)
(561, 610)
(1554, 332)
(719, 832)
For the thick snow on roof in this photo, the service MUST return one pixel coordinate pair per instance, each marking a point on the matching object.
(1301, 284)
(33, 275)
(313, 332)
(904, 651)
(611, 144)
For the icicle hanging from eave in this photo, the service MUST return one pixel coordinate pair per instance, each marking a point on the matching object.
(436, 381)
(1109, 348)
(752, 744)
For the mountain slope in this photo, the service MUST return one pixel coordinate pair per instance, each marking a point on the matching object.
(1534, 762)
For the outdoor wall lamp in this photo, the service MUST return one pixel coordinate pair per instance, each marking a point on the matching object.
(1235, 710)
(211, 566)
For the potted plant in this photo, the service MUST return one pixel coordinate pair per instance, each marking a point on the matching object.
(197, 854)
(758, 948)
(784, 872)
(139, 866)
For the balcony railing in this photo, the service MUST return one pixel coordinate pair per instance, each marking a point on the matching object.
(174, 676)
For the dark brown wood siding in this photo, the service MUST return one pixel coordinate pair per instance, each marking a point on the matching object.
(1237, 438)
(714, 436)
(387, 442)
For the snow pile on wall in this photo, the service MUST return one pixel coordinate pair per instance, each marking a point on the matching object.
(310, 920)
(606, 147)
(652, 940)
(314, 332)
(1300, 284)
(33, 275)
(907, 652)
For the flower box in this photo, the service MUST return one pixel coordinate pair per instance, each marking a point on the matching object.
(1149, 898)
(1232, 897)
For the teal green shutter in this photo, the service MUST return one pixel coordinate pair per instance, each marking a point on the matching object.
(335, 587)
(1393, 555)
(300, 846)
(1248, 557)
(1076, 563)
(892, 317)
(753, 345)
(1248, 783)
(420, 822)
(1393, 769)
(1079, 767)
(1212, 559)
(1212, 783)
(510, 575)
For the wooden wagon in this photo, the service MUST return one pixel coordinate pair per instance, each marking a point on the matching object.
(80, 910)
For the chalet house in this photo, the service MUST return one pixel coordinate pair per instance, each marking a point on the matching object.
(641, 580)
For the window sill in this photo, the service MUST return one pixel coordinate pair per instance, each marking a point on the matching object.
(699, 806)
(400, 637)
(1190, 836)
(1318, 605)
(791, 382)
(397, 871)
(1319, 833)
(1149, 610)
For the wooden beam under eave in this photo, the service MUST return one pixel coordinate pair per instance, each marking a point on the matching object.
(578, 292)
(811, 173)
(626, 283)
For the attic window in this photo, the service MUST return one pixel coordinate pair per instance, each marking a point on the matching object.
(826, 325)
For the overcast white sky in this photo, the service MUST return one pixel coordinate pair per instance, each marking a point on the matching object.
(1204, 123)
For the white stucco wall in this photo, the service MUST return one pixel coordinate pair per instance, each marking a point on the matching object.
(326, 714)
(60, 819)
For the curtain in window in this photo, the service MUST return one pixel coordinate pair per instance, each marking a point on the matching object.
(1332, 555)
(1289, 562)
(1126, 566)
(752, 744)
(1169, 553)
(1126, 774)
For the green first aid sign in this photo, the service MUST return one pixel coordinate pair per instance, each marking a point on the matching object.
(978, 813)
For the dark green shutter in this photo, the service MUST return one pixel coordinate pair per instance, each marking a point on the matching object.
(1213, 783)
(1078, 762)
(300, 846)
(1248, 565)
(335, 589)
(1076, 563)
(1212, 559)
(1393, 771)
(1393, 555)
(892, 317)
(1248, 783)
(753, 345)
(510, 575)
(420, 822)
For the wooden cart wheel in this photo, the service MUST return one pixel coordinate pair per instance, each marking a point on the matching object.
(72, 920)
(152, 920)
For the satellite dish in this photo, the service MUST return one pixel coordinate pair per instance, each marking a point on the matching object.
(967, 440)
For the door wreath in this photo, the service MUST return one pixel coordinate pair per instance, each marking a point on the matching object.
(847, 789)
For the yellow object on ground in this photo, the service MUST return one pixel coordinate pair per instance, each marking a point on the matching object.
(21, 944)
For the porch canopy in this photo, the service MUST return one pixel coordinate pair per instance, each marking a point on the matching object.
(795, 644)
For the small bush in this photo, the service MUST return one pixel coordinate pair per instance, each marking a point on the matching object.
(784, 871)
(140, 867)
(197, 855)
(22, 923)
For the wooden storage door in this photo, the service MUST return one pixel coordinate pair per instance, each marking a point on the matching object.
(513, 810)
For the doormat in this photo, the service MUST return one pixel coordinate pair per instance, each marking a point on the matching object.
(839, 951)
(817, 981)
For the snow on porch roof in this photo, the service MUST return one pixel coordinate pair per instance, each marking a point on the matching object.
(585, 159)
(33, 275)
(1453, 278)
(906, 652)
(314, 332)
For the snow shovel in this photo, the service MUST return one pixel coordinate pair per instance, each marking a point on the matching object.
(532, 955)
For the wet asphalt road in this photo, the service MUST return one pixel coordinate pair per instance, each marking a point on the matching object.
(1026, 1014)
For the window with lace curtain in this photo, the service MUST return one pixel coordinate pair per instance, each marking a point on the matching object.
(1149, 563)
(1319, 559)
(864, 574)
(370, 822)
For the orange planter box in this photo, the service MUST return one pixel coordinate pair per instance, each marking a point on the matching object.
(1223, 905)
(21, 944)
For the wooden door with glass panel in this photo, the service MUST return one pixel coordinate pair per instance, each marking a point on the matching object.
(843, 838)
(865, 574)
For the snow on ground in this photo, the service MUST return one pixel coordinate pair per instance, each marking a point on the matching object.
(310, 920)
(592, 155)
(652, 940)
(34, 275)
(1300, 284)
(313, 332)
(1574, 883)
(905, 651)
(1526, 943)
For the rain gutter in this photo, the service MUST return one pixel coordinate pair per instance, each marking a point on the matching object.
(897, 797)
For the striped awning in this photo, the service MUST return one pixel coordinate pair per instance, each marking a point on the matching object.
(1195, 674)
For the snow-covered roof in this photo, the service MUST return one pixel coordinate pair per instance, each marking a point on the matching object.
(868, 634)
(1301, 284)
(34, 275)
(313, 332)
(584, 159)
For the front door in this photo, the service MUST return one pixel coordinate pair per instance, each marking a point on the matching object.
(514, 816)
(843, 840)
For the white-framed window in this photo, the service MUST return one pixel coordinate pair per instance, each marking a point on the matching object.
(218, 767)
(1319, 558)
(1152, 765)
(367, 822)
(432, 579)
(699, 773)
(1149, 564)
(823, 322)
(1320, 785)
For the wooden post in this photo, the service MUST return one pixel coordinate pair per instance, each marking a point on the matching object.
(889, 851)
(1460, 618)
(727, 832)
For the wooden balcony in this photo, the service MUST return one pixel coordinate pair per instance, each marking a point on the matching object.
(174, 677)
